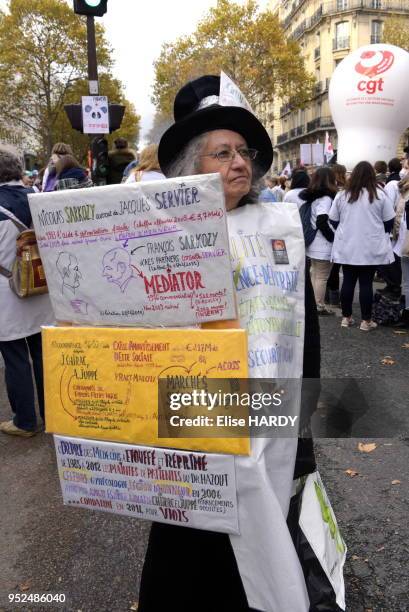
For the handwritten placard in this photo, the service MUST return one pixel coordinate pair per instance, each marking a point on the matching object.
(102, 383)
(179, 488)
(147, 254)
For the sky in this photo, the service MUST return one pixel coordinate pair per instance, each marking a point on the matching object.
(136, 30)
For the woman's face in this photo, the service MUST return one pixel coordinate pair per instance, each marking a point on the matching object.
(236, 173)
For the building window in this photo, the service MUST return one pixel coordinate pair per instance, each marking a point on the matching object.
(376, 31)
(341, 40)
(376, 4)
(342, 5)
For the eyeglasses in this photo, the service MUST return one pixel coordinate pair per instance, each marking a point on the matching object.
(227, 155)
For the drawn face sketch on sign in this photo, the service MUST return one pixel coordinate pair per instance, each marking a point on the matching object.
(117, 268)
(67, 266)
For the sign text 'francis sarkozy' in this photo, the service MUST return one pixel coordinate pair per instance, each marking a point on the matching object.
(146, 254)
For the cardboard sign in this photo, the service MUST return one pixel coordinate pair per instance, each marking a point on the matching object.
(95, 115)
(319, 525)
(102, 383)
(147, 254)
(178, 488)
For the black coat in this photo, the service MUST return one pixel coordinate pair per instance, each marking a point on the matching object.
(14, 198)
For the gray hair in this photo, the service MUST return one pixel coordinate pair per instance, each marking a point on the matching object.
(11, 166)
(187, 163)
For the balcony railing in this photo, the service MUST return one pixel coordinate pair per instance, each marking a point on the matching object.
(342, 42)
(320, 123)
(335, 7)
(282, 137)
(317, 53)
(375, 39)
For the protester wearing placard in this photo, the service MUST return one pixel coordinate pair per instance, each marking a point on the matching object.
(364, 217)
(319, 196)
(20, 319)
(258, 569)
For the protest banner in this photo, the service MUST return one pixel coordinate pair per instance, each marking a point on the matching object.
(151, 254)
(102, 383)
(179, 488)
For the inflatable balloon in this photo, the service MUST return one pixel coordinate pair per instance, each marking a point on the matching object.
(369, 101)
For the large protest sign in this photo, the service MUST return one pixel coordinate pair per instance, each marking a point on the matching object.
(102, 383)
(146, 254)
(180, 488)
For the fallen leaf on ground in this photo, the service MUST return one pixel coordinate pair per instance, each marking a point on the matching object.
(387, 360)
(399, 332)
(380, 549)
(25, 586)
(395, 482)
(366, 448)
(351, 473)
(355, 557)
(134, 606)
(406, 345)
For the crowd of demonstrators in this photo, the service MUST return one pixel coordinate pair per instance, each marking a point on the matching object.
(319, 196)
(118, 159)
(20, 320)
(147, 168)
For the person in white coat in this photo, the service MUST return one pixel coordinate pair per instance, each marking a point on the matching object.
(20, 319)
(319, 195)
(364, 215)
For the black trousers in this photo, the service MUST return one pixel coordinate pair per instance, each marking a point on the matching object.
(364, 275)
(19, 378)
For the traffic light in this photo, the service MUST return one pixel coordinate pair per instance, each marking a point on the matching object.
(97, 8)
(100, 160)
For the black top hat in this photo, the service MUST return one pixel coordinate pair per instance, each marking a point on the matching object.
(196, 110)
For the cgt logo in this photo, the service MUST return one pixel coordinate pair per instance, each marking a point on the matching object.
(372, 64)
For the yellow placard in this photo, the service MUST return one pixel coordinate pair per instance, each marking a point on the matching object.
(102, 383)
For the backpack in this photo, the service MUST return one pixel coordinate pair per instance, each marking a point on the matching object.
(26, 278)
(385, 311)
(308, 230)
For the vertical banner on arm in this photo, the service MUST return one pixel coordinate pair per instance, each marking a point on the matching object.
(268, 258)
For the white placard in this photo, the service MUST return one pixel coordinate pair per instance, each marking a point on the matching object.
(147, 254)
(305, 154)
(318, 154)
(230, 94)
(95, 115)
(179, 488)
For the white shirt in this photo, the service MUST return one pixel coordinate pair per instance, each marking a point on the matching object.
(392, 191)
(278, 192)
(146, 175)
(360, 238)
(293, 196)
(397, 248)
(320, 248)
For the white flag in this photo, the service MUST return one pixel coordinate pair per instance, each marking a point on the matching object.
(286, 171)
